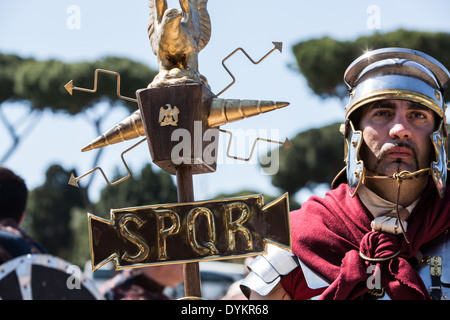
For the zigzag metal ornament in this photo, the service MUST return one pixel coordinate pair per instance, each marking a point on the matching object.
(70, 87)
(277, 46)
(286, 144)
(73, 181)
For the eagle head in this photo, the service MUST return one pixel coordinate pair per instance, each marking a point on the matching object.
(172, 16)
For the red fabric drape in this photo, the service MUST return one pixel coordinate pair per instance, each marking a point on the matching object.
(328, 234)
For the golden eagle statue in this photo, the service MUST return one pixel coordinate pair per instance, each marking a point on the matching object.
(177, 35)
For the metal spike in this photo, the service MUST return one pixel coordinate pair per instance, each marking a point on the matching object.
(129, 128)
(222, 111)
(229, 110)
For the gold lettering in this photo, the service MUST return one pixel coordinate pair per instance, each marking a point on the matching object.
(143, 248)
(164, 232)
(209, 246)
(237, 226)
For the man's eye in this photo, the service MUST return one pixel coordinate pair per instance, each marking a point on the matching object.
(382, 113)
(418, 115)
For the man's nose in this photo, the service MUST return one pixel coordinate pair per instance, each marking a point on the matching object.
(400, 128)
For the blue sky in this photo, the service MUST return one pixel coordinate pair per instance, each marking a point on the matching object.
(40, 29)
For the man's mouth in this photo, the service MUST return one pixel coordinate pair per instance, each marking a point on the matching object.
(400, 152)
(396, 153)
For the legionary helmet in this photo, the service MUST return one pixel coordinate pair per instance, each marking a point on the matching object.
(394, 73)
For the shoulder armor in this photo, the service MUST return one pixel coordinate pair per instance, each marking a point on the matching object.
(434, 267)
(266, 270)
(313, 280)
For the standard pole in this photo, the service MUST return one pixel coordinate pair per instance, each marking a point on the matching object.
(191, 271)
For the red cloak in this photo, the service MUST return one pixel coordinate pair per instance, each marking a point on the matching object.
(329, 233)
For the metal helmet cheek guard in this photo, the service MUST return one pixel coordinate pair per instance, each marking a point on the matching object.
(394, 73)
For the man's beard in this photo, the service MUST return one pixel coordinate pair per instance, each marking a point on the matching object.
(399, 161)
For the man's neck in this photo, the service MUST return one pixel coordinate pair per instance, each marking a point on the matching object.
(378, 206)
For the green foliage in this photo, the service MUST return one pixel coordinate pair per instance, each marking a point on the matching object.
(316, 156)
(80, 249)
(49, 211)
(145, 189)
(8, 66)
(324, 61)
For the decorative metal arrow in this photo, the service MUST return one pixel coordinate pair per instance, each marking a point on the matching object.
(70, 87)
(277, 46)
(73, 181)
(286, 144)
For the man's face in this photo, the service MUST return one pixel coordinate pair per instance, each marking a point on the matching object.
(396, 136)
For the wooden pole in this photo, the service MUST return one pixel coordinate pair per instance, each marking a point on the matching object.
(191, 271)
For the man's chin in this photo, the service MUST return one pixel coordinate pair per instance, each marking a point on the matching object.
(393, 168)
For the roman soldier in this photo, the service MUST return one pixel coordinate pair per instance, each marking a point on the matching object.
(381, 232)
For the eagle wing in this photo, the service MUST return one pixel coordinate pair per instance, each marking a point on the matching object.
(162, 114)
(197, 20)
(157, 9)
(205, 24)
